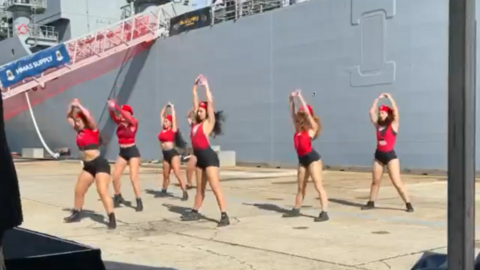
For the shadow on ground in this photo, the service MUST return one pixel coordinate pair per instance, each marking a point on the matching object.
(184, 211)
(126, 266)
(360, 205)
(94, 216)
(160, 194)
(276, 208)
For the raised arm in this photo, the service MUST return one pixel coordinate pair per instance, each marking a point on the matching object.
(210, 109)
(190, 117)
(291, 102)
(373, 110)
(90, 121)
(396, 115)
(194, 92)
(312, 121)
(113, 115)
(162, 115)
(174, 117)
(70, 116)
(130, 119)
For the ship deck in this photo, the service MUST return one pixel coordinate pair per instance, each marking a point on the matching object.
(259, 238)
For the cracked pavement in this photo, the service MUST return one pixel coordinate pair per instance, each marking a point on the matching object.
(259, 238)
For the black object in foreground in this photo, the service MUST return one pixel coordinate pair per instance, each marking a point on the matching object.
(30, 250)
(437, 261)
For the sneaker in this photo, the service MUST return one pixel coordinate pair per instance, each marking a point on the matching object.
(224, 220)
(409, 207)
(292, 213)
(139, 207)
(368, 206)
(191, 216)
(322, 217)
(112, 221)
(185, 196)
(118, 200)
(75, 216)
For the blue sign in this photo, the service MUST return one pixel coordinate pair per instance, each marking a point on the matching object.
(33, 65)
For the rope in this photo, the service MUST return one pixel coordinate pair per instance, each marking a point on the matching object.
(54, 155)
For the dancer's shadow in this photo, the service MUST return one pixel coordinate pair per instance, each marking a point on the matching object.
(188, 187)
(275, 208)
(91, 215)
(160, 194)
(125, 202)
(128, 204)
(360, 205)
(185, 210)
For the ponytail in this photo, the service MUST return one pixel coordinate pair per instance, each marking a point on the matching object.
(218, 128)
(179, 141)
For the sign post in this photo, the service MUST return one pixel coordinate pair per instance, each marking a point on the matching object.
(461, 134)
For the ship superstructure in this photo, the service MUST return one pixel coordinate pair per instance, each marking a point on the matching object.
(342, 53)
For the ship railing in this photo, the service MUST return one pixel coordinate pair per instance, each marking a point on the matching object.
(235, 9)
(87, 49)
(46, 32)
(127, 11)
(39, 5)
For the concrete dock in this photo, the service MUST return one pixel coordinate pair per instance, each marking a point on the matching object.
(259, 238)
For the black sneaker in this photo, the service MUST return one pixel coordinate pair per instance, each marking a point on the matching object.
(190, 216)
(117, 200)
(185, 196)
(322, 217)
(292, 213)
(224, 220)
(409, 208)
(75, 216)
(112, 221)
(162, 193)
(139, 207)
(368, 206)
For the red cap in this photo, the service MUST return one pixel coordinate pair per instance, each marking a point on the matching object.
(385, 108)
(202, 104)
(127, 108)
(169, 118)
(308, 107)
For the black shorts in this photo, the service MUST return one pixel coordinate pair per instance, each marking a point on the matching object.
(128, 153)
(308, 159)
(98, 165)
(169, 154)
(206, 158)
(385, 157)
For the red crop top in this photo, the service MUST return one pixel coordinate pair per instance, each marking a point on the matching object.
(197, 135)
(88, 139)
(126, 133)
(303, 143)
(166, 135)
(386, 138)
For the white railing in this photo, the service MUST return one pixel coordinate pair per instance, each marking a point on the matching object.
(235, 9)
(92, 47)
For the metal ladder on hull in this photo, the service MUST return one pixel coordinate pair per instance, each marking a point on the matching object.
(88, 49)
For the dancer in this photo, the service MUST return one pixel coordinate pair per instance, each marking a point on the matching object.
(207, 123)
(170, 137)
(127, 127)
(386, 123)
(192, 160)
(95, 168)
(307, 128)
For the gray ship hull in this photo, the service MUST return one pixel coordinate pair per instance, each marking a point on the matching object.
(342, 53)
